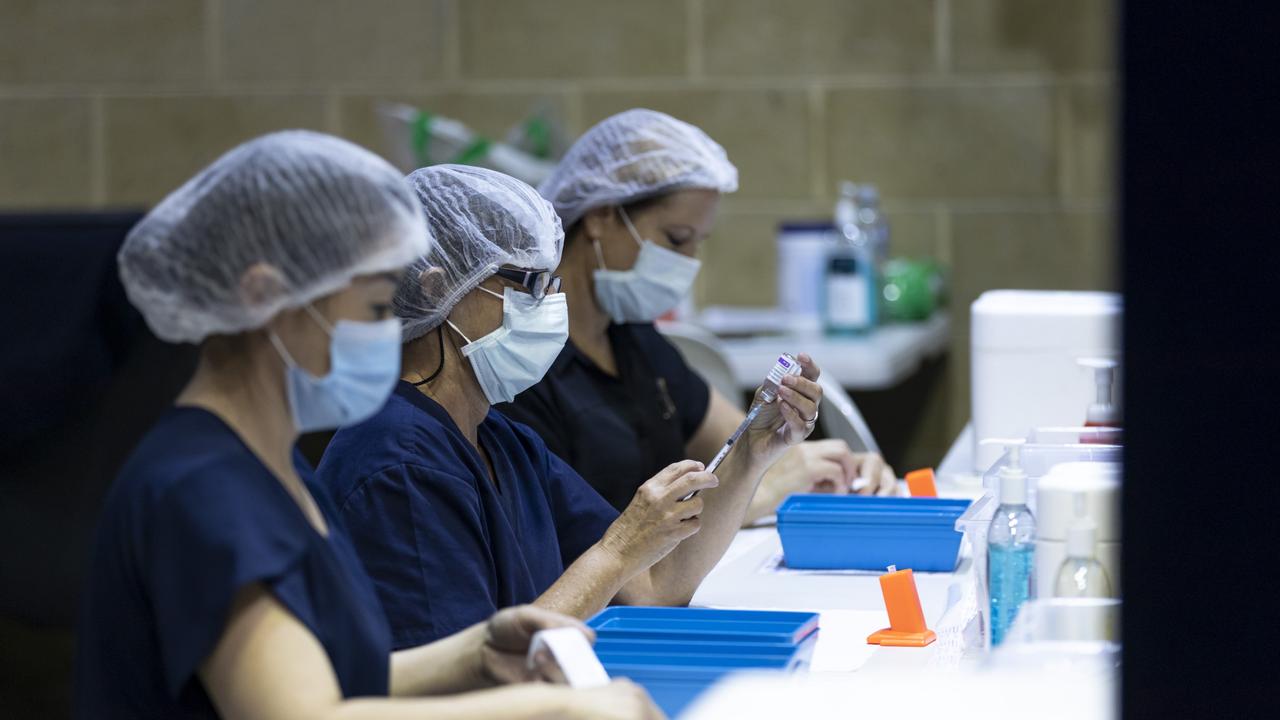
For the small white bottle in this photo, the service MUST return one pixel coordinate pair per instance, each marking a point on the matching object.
(787, 364)
(1081, 575)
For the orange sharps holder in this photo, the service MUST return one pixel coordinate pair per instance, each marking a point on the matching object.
(906, 619)
(920, 483)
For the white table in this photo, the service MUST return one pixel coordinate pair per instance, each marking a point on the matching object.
(876, 681)
(878, 360)
(956, 468)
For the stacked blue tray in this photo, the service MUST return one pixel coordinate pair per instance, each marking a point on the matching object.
(676, 653)
(854, 532)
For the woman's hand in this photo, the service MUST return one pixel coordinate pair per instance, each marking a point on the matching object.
(619, 700)
(657, 520)
(824, 466)
(878, 476)
(506, 643)
(789, 419)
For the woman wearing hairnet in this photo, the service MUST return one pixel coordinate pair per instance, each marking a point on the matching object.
(220, 586)
(455, 509)
(637, 196)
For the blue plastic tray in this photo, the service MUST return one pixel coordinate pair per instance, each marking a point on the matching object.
(703, 624)
(865, 510)
(829, 532)
(659, 652)
(676, 680)
(676, 653)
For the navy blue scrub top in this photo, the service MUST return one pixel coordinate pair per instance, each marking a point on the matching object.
(193, 518)
(445, 547)
(617, 432)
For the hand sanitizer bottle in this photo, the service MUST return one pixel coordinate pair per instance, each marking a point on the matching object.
(1103, 411)
(1011, 547)
(1081, 575)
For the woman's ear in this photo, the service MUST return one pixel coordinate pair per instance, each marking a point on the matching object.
(432, 281)
(261, 284)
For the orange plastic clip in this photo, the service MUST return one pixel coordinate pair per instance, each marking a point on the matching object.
(920, 483)
(906, 618)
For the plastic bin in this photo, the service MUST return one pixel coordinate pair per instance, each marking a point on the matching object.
(703, 625)
(831, 532)
(788, 655)
(676, 653)
(676, 681)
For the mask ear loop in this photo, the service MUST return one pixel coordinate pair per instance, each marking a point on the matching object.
(626, 220)
(595, 243)
(440, 367)
(449, 322)
(283, 352)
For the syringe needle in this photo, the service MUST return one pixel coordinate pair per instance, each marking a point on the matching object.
(724, 451)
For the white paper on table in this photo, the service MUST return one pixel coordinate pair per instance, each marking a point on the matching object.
(842, 639)
(571, 651)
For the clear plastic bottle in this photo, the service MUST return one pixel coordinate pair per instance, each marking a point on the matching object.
(1010, 549)
(873, 224)
(852, 286)
(1081, 575)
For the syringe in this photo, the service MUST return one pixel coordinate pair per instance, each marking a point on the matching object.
(786, 365)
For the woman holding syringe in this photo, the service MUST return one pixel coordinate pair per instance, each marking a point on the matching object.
(637, 195)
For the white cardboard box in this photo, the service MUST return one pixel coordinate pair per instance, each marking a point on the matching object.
(1025, 345)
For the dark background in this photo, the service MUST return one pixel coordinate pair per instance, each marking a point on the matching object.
(1199, 241)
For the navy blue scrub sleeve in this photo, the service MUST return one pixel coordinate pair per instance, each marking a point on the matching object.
(423, 539)
(198, 554)
(582, 516)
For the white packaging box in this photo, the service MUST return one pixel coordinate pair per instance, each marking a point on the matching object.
(1025, 345)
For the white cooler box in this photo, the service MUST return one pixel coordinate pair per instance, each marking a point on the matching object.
(1025, 345)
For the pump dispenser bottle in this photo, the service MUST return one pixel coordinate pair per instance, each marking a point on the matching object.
(1081, 575)
(1102, 411)
(1010, 546)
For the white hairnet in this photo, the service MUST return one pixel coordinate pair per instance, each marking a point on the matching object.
(313, 210)
(634, 155)
(480, 220)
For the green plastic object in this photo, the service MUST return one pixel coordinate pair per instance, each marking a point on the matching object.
(911, 290)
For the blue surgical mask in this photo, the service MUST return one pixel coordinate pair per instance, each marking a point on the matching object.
(660, 279)
(514, 357)
(364, 364)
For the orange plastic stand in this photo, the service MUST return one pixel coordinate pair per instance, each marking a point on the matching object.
(920, 483)
(906, 618)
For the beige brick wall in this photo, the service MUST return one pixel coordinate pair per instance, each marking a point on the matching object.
(987, 123)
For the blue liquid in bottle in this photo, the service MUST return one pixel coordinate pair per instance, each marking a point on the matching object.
(1010, 567)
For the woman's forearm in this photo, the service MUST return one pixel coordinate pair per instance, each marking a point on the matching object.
(678, 575)
(530, 701)
(448, 665)
(588, 584)
(765, 500)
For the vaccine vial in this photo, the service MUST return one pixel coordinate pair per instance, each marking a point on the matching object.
(786, 365)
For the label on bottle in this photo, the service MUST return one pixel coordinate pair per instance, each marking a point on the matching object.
(786, 365)
(847, 301)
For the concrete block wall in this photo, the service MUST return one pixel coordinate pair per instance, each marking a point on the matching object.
(987, 124)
